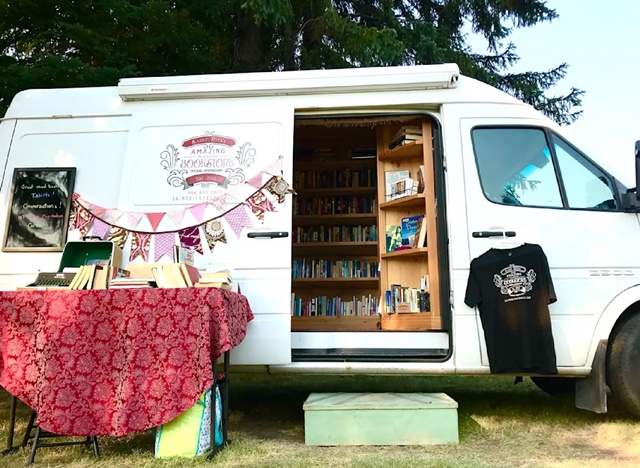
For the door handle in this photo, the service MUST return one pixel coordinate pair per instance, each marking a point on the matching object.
(482, 234)
(267, 234)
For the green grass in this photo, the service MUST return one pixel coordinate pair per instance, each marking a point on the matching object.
(500, 425)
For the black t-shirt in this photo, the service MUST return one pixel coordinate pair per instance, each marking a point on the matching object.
(513, 289)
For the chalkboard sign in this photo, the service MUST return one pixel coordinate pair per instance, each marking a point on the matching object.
(39, 206)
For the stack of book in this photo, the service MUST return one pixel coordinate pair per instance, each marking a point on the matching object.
(96, 276)
(407, 134)
(218, 279)
(175, 275)
(407, 300)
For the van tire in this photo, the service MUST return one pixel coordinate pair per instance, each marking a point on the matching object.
(555, 386)
(624, 365)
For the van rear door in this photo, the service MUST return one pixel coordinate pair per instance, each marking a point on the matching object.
(200, 160)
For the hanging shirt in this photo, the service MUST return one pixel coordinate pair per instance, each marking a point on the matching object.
(513, 289)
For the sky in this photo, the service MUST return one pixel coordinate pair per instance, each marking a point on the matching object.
(600, 41)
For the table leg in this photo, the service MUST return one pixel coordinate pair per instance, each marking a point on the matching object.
(212, 435)
(225, 397)
(12, 425)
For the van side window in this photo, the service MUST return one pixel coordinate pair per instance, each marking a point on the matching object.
(586, 186)
(515, 167)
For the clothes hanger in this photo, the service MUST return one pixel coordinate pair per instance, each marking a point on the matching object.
(506, 244)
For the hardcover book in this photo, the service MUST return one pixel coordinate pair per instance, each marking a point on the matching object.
(410, 227)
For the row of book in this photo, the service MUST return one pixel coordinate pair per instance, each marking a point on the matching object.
(325, 306)
(411, 233)
(340, 178)
(334, 205)
(306, 268)
(335, 234)
(406, 300)
(96, 276)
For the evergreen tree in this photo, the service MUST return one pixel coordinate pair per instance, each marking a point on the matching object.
(91, 42)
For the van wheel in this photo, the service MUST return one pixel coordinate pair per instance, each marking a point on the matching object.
(624, 365)
(555, 386)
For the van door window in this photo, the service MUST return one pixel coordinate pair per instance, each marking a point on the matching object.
(515, 167)
(586, 186)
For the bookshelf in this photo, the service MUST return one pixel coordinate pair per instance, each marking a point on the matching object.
(340, 216)
(407, 267)
(335, 234)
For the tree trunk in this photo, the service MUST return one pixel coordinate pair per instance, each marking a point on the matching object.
(247, 46)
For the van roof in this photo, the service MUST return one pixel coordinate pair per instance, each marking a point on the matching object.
(435, 84)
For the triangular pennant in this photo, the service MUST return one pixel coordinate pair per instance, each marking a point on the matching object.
(190, 238)
(163, 244)
(98, 211)
(73, 216)
(238, 218)
(197, 211)
(112, 216)
(176, 216)
(214, 232)
(256, 180)
(154, 219)
(118, 236)
(275, 168)
(100, 228)
(219, 203)
(84, 229)
(140, 246)
(131, 220)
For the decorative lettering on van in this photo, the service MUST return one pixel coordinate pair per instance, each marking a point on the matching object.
(515, 281)
(207, 161)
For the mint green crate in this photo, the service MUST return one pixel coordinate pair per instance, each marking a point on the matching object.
(380, 419)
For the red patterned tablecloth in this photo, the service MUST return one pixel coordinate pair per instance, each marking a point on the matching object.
(113, 362)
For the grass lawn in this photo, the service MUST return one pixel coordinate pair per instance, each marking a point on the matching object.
(501, 425)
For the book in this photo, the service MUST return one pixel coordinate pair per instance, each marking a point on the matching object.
(393, 237)
(410, 226)
(390, 179)
(403, 188)
(413, 130)
(190, 273)
(421, 235)
(101, 277)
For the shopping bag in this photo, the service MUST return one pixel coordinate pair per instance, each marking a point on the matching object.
(188, 434)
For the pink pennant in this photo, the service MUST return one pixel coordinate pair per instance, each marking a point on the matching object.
(190, 238)
(259, 204)
(132, 219)
(154, 219)
(197, 211)
(219, 203)
(113, 215)
(176, 216)
(98, 211)
(100, 228)
(256, 180)
(139, 245)
(163, 245)
(238, 218)
(275, 168)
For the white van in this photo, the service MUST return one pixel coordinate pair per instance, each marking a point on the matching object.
(489, 168)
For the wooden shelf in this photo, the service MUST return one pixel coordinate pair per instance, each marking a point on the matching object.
(346, 219)
(412, 201)
(337, 282)
(419, 321)
(422, 251)
(410, 150)
(369, 249)
(346, 323)
(336, 191)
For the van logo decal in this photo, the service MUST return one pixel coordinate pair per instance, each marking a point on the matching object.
(207, 161)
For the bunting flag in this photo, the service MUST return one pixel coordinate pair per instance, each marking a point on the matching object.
(83, 220)
(98, 211)
(84, 229)
(220, 203)
(131, 219)
(154, 220)
(190, 238)
(100, 228)
(256, 180)
(197, 211)
(237, 219)
(214, 232)
(163, 244)
(278, 187)
(176, 216)
(113, 216)
(140, 246)
(73, 215)
(118, 236)
(259, 203)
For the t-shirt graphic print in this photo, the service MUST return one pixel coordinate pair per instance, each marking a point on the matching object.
(512, 289)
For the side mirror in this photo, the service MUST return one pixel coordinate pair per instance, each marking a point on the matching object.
(631, 201)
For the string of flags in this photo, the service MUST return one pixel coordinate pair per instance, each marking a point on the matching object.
(119, 225)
